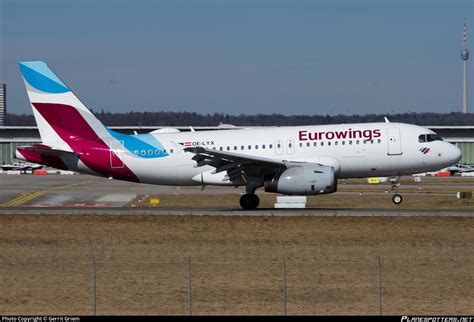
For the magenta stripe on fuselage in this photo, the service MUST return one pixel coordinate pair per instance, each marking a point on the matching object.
(70, 125)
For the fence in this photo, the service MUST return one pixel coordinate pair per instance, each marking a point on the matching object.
(277, 287)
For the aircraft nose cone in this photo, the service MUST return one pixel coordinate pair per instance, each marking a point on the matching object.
(455, 154)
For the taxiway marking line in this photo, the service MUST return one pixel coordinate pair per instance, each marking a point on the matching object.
(26, 196)
(12, 202)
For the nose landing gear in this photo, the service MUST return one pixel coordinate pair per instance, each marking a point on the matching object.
(397, 198)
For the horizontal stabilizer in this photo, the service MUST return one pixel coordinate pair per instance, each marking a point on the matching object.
(47, 151)
(45, 155)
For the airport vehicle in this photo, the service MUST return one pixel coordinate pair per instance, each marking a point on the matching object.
(298, 160)
(23, 167)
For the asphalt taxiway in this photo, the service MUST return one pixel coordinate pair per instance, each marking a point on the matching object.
(81, 190)
(82, 194)
(117, 211)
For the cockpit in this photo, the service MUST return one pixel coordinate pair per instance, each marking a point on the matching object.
(429, 138)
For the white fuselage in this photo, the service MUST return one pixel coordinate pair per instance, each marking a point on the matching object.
(354, 150)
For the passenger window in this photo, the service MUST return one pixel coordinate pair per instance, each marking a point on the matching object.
(235, 147)
(256, 147)
(308, 144)
(322, 143)
(270, 146)
(157, 152)
(379, 141)
(242, 147)
(220, 148)
(329, 143)
(171, 151)
(150, 152)
(135, 152)
(143, 152)
(315, 144)
(301, 144)
(263, 146)
(228, 148)
(350, 142)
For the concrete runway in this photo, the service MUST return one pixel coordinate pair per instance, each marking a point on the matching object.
(82, 194)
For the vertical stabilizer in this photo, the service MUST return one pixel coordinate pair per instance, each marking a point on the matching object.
(61, 117)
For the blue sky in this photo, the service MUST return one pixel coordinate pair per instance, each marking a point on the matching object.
(289, 57)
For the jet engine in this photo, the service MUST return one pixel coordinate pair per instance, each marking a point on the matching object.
(307, 179)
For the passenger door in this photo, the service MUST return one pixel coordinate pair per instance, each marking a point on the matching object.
(394, 141)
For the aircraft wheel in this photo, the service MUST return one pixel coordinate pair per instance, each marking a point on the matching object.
(249, 201)
(397, 199)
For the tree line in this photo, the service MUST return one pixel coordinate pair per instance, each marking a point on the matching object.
(195, 119)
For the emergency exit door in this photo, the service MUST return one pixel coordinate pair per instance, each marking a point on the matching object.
(116, 154)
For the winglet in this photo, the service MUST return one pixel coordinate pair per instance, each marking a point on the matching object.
(386, 119)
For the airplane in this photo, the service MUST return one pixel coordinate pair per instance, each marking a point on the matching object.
(23, 167)
(460, 168)
(293, 160)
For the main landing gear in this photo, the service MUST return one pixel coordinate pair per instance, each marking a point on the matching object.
(249, 201)
(397, 198)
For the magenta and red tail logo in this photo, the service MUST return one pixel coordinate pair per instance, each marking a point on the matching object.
(424, 150)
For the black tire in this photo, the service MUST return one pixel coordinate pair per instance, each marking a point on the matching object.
(249, 201)
(397, 199)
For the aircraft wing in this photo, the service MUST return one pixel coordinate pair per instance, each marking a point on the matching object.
(9, 167)
(236, 164)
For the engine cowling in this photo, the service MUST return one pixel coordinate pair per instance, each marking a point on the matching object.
(308, 179)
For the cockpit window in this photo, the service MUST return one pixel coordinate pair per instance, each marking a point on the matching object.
(429, 138)
(433, 137)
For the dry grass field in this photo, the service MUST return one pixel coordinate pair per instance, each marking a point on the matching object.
(334, 201)
(431, 193)
(46, 264)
